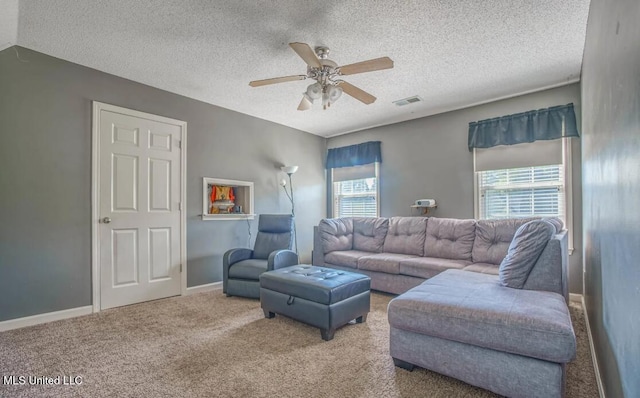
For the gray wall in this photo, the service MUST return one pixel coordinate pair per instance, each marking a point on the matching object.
(611, 172)
(428, 158)
(45, 177)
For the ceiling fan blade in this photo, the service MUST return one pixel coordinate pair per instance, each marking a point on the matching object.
(258, 83)
(357, 93)
(367, 66)
(307, 54)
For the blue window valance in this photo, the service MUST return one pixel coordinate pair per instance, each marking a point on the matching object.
(542, 124)
(354, 155)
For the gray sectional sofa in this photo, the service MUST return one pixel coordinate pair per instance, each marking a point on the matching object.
(463, 311)
(399, 253)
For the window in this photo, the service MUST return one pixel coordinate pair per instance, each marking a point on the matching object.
(522, 192)
(355, 198)
(355, 191)
(525, 180)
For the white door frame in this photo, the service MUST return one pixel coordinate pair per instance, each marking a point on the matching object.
(95, 200)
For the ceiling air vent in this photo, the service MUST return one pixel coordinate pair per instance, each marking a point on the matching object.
(407, 101)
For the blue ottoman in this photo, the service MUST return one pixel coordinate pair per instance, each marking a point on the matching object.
(322, 297)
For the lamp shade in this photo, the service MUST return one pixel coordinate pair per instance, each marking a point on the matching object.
(289, 169)
(334, 93)
(314, 91)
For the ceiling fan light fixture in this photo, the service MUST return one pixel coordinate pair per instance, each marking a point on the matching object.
(330, 95)
(328, 87)
(334, 93)
(305, 103)
(314, 91)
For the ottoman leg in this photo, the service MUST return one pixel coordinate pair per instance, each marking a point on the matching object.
(327, 334)
(362, 318)
(268, 314)
(402, 364)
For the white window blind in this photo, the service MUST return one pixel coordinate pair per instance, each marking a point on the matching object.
(354, 173)
(539, 153)
(522, 192)
(355, 198)
(355, 191)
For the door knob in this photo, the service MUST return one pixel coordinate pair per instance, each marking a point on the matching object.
(106, 220)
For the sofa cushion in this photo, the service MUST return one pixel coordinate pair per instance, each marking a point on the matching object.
(369, 233)
(483, 268)
(248, 269)
(524, 250)
(493, 238)
(406, 235)
(550, 271)
(449, 238)
(382, 262)
(345, 258)
(475, 309)
(427, 267)
(336, 234)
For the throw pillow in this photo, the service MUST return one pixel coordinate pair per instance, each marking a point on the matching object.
(525, 248)
(556, 222)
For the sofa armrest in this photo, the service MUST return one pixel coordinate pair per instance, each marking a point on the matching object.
(280, 259)
(231, 257)
(317, 254)
(550, 272)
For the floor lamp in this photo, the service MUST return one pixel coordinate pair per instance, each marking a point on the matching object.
(290, 170)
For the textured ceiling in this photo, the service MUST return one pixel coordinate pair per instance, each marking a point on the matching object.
(451, 53)
(8, 23)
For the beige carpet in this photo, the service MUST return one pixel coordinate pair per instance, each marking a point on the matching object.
(208, 345)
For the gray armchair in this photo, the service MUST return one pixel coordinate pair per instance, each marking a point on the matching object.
(241, 268)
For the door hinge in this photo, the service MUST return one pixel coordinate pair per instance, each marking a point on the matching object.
(181, 268)
(180, 206)
(179, 144)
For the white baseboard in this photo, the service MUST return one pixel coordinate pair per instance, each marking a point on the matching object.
(575, 298)
(204, 288)
(596, 368)
(79, 311)
(44, 318)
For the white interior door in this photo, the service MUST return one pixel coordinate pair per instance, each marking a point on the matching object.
(139, 192)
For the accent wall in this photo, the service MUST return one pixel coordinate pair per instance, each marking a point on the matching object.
(45, 177)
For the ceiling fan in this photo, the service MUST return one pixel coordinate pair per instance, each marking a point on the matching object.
(327, 73)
